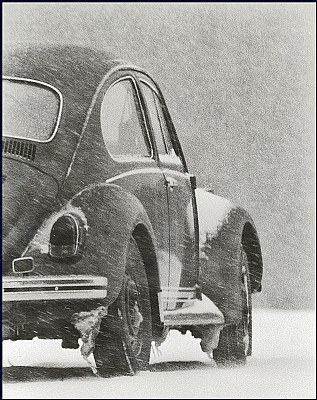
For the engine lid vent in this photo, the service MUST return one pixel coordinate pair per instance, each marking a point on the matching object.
(19, 148)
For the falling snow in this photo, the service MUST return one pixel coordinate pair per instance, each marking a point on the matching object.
(239, 80)
(282, 367)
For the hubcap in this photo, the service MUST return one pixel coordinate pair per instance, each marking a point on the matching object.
(133, 316)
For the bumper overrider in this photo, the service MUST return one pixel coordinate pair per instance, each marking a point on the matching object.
(71, 287)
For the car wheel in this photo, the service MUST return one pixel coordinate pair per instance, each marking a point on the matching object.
(235, 342)
(123, 345)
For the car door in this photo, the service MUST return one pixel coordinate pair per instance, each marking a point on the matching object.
(128, 141)
(183, 268)
(118, 140)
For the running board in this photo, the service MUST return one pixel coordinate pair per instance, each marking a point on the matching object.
(197, 312)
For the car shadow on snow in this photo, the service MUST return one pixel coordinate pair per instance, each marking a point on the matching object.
(31, 374)
(179, 365)
(21, 374)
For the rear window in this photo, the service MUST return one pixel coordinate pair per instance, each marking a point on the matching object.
(30, 110)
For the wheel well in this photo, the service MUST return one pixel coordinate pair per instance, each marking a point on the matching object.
(251, 246)
(148, 254)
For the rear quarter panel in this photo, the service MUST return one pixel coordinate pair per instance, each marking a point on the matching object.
(111, 214)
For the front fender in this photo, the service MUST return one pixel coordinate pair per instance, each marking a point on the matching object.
(222, 227)
(111, 215)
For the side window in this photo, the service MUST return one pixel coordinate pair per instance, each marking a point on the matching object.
(164, 128)
(155, 119)
(121, 124)
(162, 136)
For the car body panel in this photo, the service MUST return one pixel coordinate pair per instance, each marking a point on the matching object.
(107, 237)
(23, 185)
(221, 227)
(145, 179)
(154, 199)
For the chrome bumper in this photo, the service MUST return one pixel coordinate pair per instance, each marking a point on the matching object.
(73, 287)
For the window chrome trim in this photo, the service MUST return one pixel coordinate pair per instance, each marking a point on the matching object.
(59, 114)
(118, 68)
(168, 157)
(131, 157)
(170, 122)
(150, 85)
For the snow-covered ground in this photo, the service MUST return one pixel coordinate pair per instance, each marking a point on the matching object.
(282, 366)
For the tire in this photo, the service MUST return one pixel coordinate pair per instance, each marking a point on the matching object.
(123, 345)
(235, 342)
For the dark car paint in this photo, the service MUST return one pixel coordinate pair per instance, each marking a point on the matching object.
(60, 67)
(145, 178)
(24, 185)
(220, 277)
(87, 178)
(108, 235)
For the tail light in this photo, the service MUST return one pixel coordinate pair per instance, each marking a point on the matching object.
(67, 238)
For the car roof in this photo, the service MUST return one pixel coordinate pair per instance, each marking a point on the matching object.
(74, 70)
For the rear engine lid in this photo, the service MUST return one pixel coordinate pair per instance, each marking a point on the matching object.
(28, 196)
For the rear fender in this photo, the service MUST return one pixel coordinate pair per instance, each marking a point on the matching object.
(221, 232)
(110, 216)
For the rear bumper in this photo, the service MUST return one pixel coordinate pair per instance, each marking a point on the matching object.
(36, 288)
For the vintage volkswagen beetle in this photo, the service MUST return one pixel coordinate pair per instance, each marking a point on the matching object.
(105, 235)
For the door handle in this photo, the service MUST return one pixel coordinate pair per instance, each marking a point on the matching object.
(171, 182)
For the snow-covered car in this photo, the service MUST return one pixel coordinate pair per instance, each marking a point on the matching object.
(105, 235)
